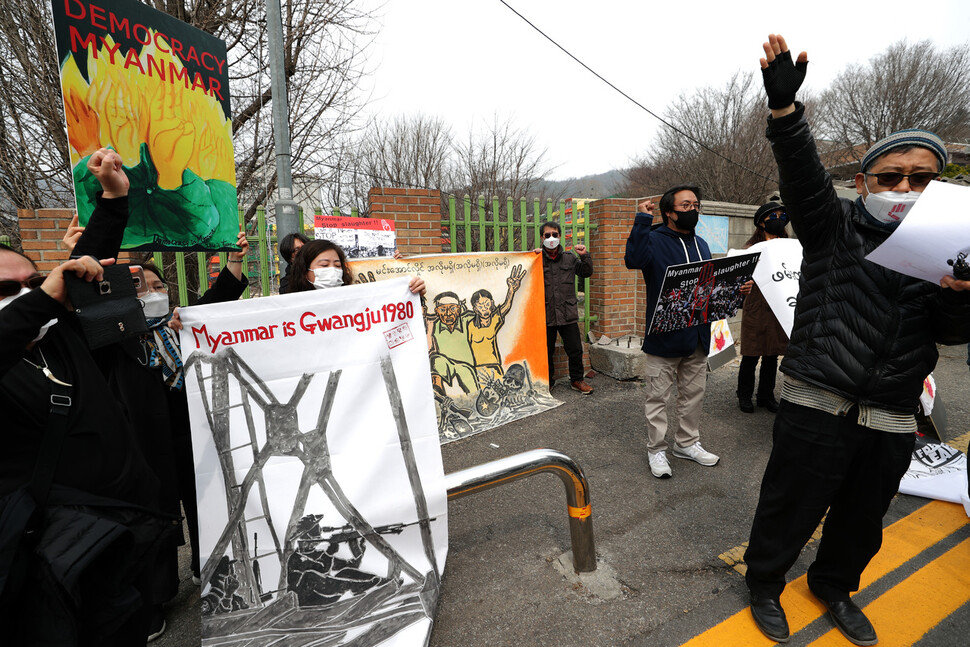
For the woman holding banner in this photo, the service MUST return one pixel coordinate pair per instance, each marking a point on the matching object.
(762, 337)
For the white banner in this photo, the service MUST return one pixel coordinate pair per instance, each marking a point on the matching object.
(322, 502)
(777, 274)
(937, 471)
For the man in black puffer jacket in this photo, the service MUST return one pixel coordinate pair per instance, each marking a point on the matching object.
(863, 340)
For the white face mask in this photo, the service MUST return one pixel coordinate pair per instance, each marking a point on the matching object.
(154, 305)
(889, 207)
(43, 329)
(327, 277)
(551, 242)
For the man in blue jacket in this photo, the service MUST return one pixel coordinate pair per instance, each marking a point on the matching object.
(678, 355)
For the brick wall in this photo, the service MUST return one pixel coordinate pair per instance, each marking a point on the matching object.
(417, 217)
(40, 234)
(617, 295)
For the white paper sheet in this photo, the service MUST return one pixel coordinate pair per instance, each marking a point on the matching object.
(936, 230)
(777, 275)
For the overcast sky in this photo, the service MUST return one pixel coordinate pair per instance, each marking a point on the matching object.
(466, 60)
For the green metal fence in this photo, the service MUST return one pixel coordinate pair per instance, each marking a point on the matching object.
(473, 228)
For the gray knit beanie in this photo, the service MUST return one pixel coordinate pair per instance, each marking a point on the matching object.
(909, 137)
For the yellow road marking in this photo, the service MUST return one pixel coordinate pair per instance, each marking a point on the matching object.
(960, 442)
(902, 541)
(905, 613)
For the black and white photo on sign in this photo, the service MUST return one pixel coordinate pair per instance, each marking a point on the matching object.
(358, 237)
(321, 495)
(701, 292)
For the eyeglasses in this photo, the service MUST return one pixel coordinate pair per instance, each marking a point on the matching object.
(916, 180)
(9, 287)
(686, 206)
(550, 234)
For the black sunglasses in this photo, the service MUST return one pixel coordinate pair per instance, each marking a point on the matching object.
(9, 287)
(916, 180)
(550, 234)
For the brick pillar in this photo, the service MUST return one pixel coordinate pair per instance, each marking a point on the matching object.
(40, 234)
(617, 295)
(416, 214)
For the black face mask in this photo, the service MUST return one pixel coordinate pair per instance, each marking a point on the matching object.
(775, 226)
(686, 220)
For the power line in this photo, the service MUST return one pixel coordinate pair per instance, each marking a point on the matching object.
(631, 99)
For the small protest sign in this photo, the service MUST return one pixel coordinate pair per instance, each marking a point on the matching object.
(358, 237)
(701, 292)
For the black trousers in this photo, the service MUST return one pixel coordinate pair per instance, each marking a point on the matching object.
(766, 381)
(821, 461)
(572, 343)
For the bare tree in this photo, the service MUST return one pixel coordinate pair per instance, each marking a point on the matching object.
(323, 42)
(413, 151)
(910, 85)
(501, 161)
(715, 138)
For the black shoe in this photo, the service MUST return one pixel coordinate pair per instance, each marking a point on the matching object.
(770, 618)
(851, 621)
(770, 404)
(745, 404)
(157, 626)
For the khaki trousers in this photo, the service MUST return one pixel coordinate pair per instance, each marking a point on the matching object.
(690, 374)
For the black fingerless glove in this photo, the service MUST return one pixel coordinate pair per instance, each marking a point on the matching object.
(782, 79)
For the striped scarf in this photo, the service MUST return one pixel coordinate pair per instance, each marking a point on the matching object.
(165, 352)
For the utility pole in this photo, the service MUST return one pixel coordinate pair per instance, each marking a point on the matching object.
(288, 219)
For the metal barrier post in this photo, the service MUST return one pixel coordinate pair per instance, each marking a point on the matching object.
(512, 468)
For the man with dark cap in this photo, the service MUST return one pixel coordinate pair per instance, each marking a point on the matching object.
(762, 337)
(863, 340)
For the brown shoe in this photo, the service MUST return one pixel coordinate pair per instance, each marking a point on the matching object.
(582, 387)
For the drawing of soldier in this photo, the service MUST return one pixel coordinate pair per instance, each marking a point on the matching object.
(222, 596)
(483, 329)
(316, 574)
(451, 353)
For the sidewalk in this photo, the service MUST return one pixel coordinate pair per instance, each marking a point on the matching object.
(660, 539)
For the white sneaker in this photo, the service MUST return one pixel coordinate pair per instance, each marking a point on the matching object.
(659, 466)
(697, 453)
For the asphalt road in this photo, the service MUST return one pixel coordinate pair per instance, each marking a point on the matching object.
(660, 538)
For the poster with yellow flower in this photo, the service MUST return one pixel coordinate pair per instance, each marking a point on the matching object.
(156, 90)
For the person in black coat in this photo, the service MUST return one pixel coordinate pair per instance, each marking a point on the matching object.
(99, 513)
(863, 340)
(560, 271)
(147, 382)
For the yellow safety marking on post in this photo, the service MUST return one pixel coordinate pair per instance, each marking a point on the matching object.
(902, 541)
(580, 513)
(928, 596)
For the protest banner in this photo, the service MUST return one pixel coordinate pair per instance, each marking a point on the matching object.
(358, 237)
(156, 91)
(777, 275)
(932, 237)
(486, 335)
(936, 471)
(322, 502)
(701, 292)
